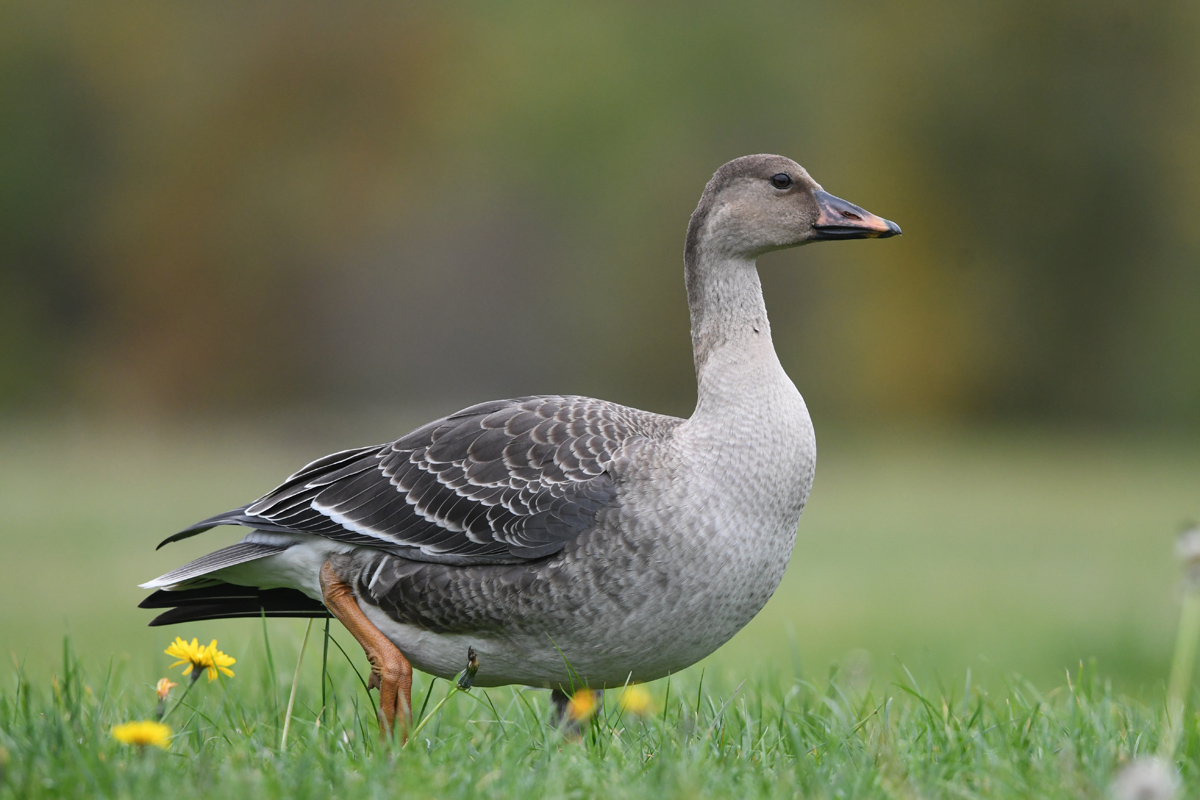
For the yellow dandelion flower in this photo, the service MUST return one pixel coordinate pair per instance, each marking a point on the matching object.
(194, 657)
(636, 700)
(164, 687)
(216, 660)
(143, 733)
(190, 655)
(582, 705)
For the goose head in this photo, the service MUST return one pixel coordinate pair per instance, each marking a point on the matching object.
(757, 204)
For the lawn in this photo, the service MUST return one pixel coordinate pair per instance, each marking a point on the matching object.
(974, 613)
(748, 740)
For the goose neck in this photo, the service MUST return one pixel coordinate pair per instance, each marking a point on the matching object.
(727, 309)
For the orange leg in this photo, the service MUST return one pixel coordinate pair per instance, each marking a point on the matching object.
(390, 671)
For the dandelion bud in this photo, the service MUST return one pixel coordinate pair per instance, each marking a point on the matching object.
(467, 679)
(164, 687)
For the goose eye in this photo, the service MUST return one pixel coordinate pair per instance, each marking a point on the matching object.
(781, 180)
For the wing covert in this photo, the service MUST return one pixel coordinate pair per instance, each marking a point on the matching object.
(499, 482)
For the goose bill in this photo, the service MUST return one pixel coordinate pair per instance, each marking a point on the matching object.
(839, 219)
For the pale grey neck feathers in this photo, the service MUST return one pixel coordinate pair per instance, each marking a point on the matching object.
(726, 305)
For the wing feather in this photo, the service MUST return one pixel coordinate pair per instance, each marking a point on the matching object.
(499, 482)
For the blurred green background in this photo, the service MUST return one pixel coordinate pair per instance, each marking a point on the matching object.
(233, 237)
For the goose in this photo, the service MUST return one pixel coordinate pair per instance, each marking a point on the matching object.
(562, 541)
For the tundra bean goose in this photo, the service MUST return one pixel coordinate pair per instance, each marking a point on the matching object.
(553, 530)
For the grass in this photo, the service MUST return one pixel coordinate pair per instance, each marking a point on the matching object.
(766, 737)
(931, 567)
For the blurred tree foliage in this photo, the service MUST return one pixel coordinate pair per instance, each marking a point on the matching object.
(224, 205)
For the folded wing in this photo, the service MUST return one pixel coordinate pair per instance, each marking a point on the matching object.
(500, 482)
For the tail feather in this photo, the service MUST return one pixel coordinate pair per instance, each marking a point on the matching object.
(218, 559)
(229, 601)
